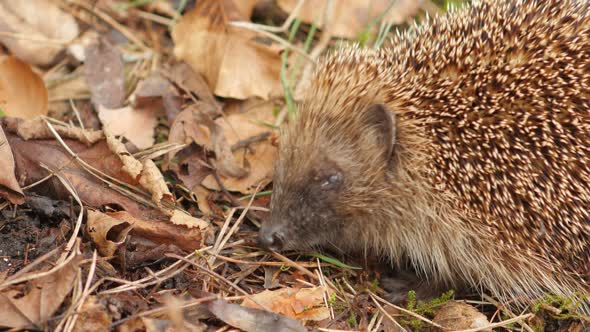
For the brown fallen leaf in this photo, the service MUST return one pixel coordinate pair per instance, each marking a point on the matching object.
(298, 303)
(73, 86)
(202, 199)
(183, 236)
(137, 125)
(229, 58)
(33, 305)
(187, 79)
(93, 316)
(106, 232)
(9, 187)
(191, 167)
(152, 91)
(30, 154)
(351, 17)
(193, 125)
(22, 92)
(35, 31)
(105, 74)
(455, 315)
(249, 138)
(145, 172)
(251, 319)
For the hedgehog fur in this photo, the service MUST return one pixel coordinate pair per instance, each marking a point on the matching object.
(488, 180)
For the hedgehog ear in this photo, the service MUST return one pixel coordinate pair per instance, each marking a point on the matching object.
(382, 119)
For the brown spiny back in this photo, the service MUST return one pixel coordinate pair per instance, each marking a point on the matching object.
(490, 179)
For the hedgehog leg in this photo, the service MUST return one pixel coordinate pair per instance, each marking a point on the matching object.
(400, 283)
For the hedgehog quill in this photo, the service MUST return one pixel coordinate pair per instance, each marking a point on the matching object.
(463, 149)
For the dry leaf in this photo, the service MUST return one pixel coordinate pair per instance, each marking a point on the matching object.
(460, 316)
(180, 218)
(252, 320)
(259, 155)
(184, 237)
(152, 179)
(146, 172)
(9, 187)
(29, 155)
(106, 232)
(351, 17)
(156, 92)
(193, 125)
(22, 92)
(298, 303)
(202, 199)
(131, 166)
(229, 58)
(137, 125)
(73, 86)
(41, 30)
(105, 74)
(187, 79)
(191, 167)
(93, 316)
(37, 302)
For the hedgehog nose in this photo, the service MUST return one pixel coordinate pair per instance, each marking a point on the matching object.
(270, 239)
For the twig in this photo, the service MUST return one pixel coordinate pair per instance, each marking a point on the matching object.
(113, 23)
(506, 310)
(250, 140)
(504, 323)
(385, 313)
(284, 43)
(406, 311)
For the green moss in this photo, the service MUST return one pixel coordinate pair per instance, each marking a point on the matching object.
(423, 308)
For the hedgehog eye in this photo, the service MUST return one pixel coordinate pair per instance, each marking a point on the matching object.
(332, 181)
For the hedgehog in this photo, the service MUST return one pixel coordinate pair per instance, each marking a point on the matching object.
(460, 150)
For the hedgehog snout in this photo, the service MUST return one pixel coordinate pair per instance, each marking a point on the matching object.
(271, 237)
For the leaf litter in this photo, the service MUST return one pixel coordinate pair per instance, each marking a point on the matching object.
(137, 149)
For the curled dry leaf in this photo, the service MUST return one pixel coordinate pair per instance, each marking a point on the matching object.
(22, 307)
(237, 139)
(152, 179)
(137, 125)
(455, 315)
(9, 187)
(106, 232)
(131, 165)
(22, 92)
(229, 58)
(248, 136)
(105, 74)
(35, 31)
(251, 319)
(351, 17)
(37, 129)
(183, 236)
(187, 79)
(193, 125)
(147, 173)
(298, 303)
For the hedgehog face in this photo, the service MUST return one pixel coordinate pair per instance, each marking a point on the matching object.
(324, 180)
(304, 207)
